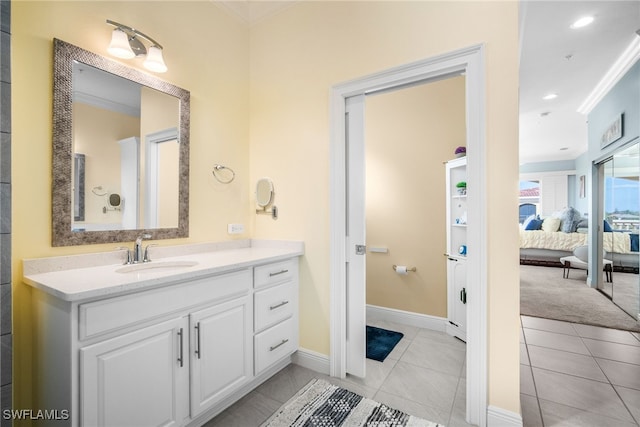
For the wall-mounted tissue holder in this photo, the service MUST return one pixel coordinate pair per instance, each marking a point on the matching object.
(403, 269)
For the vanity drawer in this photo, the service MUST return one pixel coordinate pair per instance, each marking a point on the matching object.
(273, 305)
(107, 315)
(274, 344)
(277, 272)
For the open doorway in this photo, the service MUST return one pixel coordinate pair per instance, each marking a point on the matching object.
(348, 234)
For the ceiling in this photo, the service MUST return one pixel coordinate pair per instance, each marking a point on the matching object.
(553, 59)
(569, 62)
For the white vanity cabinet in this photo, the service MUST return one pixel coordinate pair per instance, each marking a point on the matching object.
(276, 312)
(221, 352)
(137, 378)
(172, 355)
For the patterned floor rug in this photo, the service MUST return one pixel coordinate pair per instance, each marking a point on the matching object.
(320, 404)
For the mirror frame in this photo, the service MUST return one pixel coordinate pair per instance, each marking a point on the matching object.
(62, 210)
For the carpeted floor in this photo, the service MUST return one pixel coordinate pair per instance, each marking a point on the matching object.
(544, 293)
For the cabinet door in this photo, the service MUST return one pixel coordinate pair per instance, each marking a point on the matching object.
(221, 352)
(137, 379)
(457, 295)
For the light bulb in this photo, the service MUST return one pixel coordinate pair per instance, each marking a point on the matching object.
(119, 45)
(154, 61)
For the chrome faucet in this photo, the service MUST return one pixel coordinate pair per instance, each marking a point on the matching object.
(138, 255)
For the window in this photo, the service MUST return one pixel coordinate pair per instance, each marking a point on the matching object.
(529, 199)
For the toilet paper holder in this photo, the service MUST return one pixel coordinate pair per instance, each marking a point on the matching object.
(413, 269)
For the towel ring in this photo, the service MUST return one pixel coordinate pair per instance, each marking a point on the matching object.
(218, 168)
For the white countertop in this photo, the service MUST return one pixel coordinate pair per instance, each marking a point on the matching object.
(69, 279)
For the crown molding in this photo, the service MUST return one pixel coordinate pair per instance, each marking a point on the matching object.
(619, 68)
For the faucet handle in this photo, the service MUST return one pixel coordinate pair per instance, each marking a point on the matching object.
(122, 248)
(146, 252)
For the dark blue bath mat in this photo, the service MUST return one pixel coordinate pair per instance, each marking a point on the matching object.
(380, 342)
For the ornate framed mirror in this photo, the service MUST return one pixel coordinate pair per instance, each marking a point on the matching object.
(132, 131)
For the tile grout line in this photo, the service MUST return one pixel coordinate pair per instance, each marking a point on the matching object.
(533, 379)
(616, 391)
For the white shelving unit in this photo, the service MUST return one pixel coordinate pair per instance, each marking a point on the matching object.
(456, 253)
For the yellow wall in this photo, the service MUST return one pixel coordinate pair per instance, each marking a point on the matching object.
(161, 112)
(409, 134)
(298, 55)
(206, 51)
(98, 140)
(286, 66)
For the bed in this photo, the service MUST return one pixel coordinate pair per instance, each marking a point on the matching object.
(545, 247)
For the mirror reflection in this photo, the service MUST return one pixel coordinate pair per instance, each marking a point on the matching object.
(127, 134)
(120, 152)
(621, 213)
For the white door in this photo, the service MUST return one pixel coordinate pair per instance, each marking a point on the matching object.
(221, 352)
(356, 226)
(137, 379)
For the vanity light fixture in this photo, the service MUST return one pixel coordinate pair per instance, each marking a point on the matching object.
(126, 44)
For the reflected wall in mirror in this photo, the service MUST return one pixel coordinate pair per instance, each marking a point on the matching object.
(132, 130)
(621, 227)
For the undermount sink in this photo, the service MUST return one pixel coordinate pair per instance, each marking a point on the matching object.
(156, 266)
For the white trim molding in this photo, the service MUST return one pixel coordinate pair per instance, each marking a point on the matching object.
(311, 360)
(471, 62)
(406, 318)
(498, 417)
(619, 68)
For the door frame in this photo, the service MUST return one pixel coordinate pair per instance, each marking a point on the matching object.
(469, 61)
(152, 141)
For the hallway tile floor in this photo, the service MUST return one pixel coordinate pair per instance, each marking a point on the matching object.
(413, 378)
(578, 375)
(571, 375)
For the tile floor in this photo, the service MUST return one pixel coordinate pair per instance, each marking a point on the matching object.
(413, 378)
(578, 375)
(571, 375)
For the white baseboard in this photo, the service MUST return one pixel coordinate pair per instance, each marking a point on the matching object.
(406, 318)
(312, 360)
(498, 417)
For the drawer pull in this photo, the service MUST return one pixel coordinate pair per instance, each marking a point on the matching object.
(283, 342)
(273, 307)
(278, 273)
(198, 351)
(180, 358)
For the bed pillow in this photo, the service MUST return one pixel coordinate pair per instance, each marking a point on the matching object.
(534, 224)
(584, 223)
(526, 222)
(569, 220)
(551, 224)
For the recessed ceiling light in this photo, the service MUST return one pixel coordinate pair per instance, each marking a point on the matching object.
(545, 114)
(582, 22)
(549, 96)
(564, 148)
